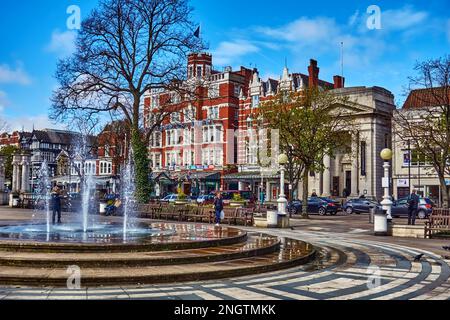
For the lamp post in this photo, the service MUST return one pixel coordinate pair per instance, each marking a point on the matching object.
(282, 201)
(386, 155)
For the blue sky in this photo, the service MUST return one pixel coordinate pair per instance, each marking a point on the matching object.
(252, 33)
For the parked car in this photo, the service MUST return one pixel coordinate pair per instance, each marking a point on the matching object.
(170, 198)
(205, 199)
(400, 208)
(315, 205)
(359, 206)
(337, 203)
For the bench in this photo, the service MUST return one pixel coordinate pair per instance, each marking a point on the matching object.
(437, 224)
(245, 216)
(200, 213)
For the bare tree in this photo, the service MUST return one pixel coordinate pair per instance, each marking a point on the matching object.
(425, 122)
(125, 49)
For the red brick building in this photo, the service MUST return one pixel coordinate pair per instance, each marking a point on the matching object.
(199, 147)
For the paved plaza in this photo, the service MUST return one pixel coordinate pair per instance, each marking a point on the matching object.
(353, 265)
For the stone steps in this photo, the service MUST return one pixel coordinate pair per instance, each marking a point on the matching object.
(256, 245)
(292, 253)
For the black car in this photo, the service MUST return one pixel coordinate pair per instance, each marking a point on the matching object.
(315, 205)
(359, 206)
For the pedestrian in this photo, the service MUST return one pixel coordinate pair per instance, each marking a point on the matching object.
(218, 208)
(413, 206)
(56, 204)
(314, 195)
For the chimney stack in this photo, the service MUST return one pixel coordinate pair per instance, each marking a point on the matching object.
(339, 82)
(313, 74)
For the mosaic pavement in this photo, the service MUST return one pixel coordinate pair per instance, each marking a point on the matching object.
(352, 268)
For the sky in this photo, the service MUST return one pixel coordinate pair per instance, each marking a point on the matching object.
(253, 33)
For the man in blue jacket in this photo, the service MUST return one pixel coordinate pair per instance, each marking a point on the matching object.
(413, 207)
(56, 204)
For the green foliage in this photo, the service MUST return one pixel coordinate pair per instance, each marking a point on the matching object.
(181, 195)
(8, 152)
(237, 197)
(142, 167)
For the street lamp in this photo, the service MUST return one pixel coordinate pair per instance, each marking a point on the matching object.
(386, 155)
(282, 201)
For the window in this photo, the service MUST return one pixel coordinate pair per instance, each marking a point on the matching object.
(199, 71)
(237, 90)
(175, 117)
(107, 149)
(363, 158)
(213, 113)
(191, 71)
(255, 101)
(419, 159)
(214, 91)
(155, 102)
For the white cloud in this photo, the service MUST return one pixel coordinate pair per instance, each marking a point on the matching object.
(304, 30)
(3, 101)
(402, 19)
(27, 122)
(62, 43)
(228, 53)
(14, 75)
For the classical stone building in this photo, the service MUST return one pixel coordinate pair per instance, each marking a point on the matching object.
(355, 171)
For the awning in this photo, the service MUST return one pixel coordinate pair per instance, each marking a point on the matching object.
(250, 176)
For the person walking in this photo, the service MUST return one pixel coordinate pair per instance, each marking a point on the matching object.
(413, 206)
(218, 208)
(56, 204)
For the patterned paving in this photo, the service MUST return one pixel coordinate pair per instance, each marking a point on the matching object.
(351, 268)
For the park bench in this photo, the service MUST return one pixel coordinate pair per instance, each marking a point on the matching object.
(437, 224)
(245, 216)
(199, 214)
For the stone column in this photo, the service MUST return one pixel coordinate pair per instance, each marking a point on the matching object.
(2, 174)
(25, 188)
(327, 177)
(16, 173)
(355, 166)
(268, 192)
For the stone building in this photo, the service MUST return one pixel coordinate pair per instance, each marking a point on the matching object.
(411, 171)
(351, 172)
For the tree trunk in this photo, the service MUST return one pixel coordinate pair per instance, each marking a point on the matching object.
(141, 165)
(305, 194)
(444, 193)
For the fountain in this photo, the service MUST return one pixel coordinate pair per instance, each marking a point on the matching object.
(128, 190)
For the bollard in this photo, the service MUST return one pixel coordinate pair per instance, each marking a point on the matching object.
(372, 212)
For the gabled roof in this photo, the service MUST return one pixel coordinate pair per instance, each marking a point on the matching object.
(423, 98)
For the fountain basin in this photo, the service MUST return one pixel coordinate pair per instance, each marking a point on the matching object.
(109, 237)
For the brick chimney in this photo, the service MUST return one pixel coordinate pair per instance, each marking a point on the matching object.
(339, 82)
(313, 73)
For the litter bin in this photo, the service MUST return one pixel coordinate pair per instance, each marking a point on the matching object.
(380, 222)
(372, 212)
(272, 219)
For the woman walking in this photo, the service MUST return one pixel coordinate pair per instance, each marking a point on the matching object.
(218, 208)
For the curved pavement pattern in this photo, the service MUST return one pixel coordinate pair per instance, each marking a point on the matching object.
(351, 268)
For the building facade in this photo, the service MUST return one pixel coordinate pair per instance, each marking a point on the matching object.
(199, 149)
(411, 170)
